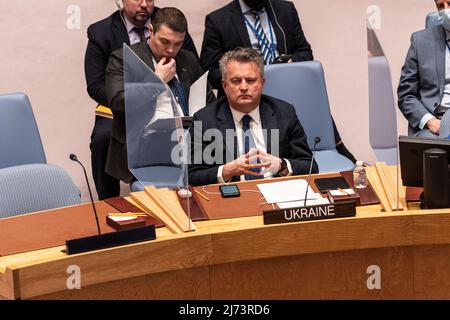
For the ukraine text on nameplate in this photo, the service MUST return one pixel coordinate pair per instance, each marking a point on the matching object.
(318, 212)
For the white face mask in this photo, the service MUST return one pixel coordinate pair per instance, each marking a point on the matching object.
(444, 18)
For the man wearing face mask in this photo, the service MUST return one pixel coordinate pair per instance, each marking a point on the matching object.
(424, 88)
(130, 25)
(163, 54)
(270, 26)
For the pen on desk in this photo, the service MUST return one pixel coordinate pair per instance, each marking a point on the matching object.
(127, 214)
(201, 195)
(343, 191)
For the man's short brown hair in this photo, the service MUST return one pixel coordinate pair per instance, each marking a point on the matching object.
(171, 17)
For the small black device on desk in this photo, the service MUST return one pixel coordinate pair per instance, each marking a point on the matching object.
(335, 183)
(284, 58)
(229, 190)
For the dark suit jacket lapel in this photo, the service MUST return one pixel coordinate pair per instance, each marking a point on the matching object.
(119, 30)
(145, 54)
(239, 24)
(276, 29)
(441, 48)
(268, 122)
(225, 121)
(183, 76)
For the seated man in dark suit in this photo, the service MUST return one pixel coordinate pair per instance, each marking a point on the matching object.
(271, 26)
(255, 136)
(163, 54)
(127, 25)
(424, 88)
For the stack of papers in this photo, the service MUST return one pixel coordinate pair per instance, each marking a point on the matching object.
(164, 205)
(290, 194)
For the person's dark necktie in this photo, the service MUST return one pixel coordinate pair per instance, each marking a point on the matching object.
(178, 91)
(141, 32)
(264, 44)
(249, 143)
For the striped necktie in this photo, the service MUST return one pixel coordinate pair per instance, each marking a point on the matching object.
(264, 44)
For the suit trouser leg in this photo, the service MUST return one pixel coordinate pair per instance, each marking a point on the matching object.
(426, 134)
(106, 186)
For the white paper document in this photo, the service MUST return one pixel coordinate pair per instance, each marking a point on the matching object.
(197, 94)
(286, 191)
(311, 202)
(343, 192)
(119, 219)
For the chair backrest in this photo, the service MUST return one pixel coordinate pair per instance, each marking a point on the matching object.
(302, 84)
(382, 110)
(35, 187)
(20, 142)
(432, 20)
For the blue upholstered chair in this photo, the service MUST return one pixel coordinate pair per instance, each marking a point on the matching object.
(158, 176)
(20, 142)
(382, 111)
(302, 84)
(27, 182)
(35, 187)
(432, 20)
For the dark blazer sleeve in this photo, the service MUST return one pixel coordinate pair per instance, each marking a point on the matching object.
(302, 50)
(409, 87)
(95, 62)
(190, 64)
(210, 97)
(212, 51)
(189, 45)
(200, 173)
(115, 93)
(298, 152)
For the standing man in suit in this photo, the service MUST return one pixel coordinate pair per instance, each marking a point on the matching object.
(424, 88)
(130, 25)
(163, 53)
(257, 136)
(271, 26)
(237, 25)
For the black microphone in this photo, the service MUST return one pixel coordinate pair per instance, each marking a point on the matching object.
(74, 158)
(316, 141)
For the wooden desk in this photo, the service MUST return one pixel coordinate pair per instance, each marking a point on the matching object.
(243, 259)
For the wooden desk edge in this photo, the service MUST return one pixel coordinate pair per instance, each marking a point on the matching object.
(13, 266)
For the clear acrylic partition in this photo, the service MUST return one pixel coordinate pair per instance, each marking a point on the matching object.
(156, 140)
(383, 135)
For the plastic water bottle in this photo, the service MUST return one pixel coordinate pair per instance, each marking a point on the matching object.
(360, 176)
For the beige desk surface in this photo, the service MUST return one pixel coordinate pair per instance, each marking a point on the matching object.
(224, 242)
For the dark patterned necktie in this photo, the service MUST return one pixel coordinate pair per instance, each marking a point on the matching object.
(141, 32)
(178, 91)
(249, 143)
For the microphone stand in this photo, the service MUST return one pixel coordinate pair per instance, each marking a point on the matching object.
(75, 158)
(316, 141)
(107, 240)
